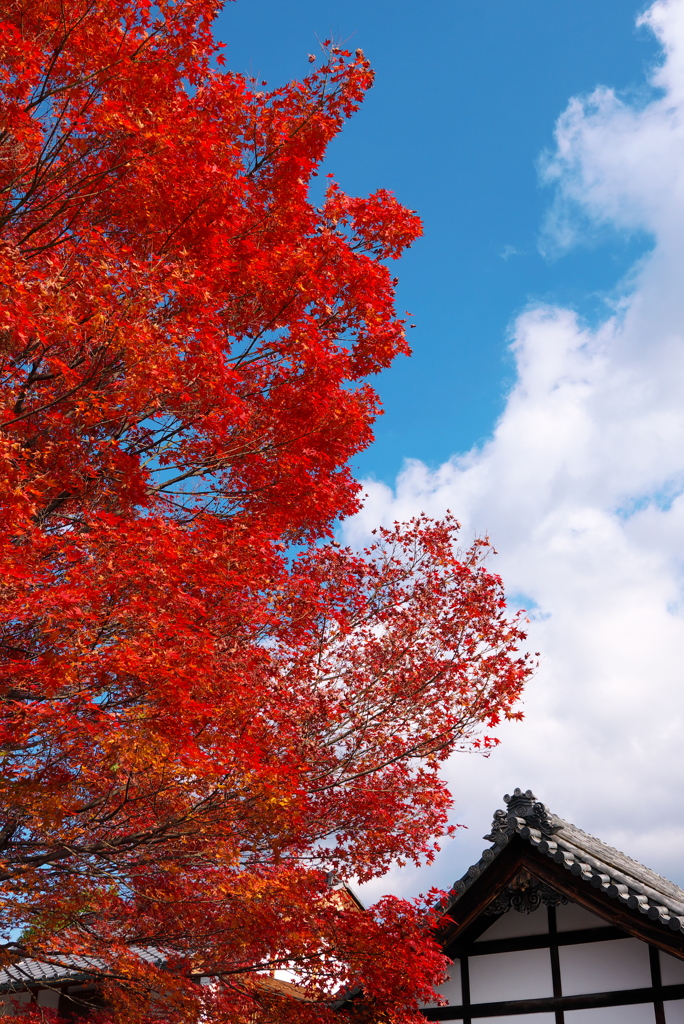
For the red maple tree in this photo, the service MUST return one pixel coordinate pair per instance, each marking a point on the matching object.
(207, 705)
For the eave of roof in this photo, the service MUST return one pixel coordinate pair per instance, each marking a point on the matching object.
(29, 973)
(591, 861)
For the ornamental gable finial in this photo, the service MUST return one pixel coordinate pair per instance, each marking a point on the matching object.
(520, 804)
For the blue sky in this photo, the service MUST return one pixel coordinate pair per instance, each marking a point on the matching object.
(542, 141)
(465, 101)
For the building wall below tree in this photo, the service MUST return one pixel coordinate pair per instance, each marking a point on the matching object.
(562, 952)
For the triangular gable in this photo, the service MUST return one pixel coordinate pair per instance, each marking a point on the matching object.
(551, 924)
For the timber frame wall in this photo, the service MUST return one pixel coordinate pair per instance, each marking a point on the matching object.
(656, 994)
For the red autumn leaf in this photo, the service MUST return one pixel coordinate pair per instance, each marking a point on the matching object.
(206, 707)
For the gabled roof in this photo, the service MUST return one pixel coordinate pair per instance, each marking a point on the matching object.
(582, 867)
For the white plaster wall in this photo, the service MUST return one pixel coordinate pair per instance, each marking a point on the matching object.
(604, 967)
(674, 1011)
(525, 1018)
(513, 923)
(571, 917)
(643, 1014)
(522, 975)
(671, 969)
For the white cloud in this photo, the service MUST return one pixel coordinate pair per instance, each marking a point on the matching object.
(581, 488)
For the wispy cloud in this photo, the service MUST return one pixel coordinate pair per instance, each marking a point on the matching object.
(581, 487)
(510, 250)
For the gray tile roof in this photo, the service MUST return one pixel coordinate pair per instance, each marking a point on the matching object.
(636, 887)
(28, 973)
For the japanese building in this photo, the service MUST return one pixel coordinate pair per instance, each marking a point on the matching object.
(552, 926)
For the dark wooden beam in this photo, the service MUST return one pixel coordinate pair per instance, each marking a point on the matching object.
(574, 938)
(555, 963)
(590, 1001)
(657, 982)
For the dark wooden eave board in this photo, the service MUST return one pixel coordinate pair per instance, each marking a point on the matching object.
(468, 918)
(577, 889)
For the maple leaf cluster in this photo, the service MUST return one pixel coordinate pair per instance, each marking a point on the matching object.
(207, 706)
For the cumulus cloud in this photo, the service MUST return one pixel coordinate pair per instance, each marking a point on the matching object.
(581, 488)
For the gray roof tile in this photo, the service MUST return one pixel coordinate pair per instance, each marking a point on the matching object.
(28, 973)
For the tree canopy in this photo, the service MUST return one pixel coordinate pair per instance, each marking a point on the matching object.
(208, 705)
